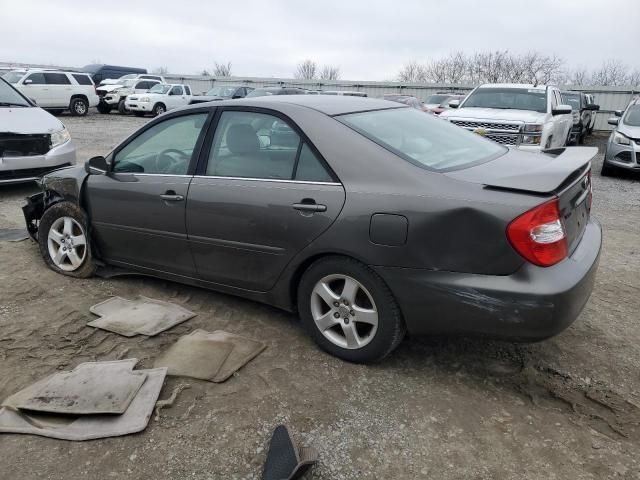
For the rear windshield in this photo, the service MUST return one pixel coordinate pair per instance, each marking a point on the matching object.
(632, 117)
(509, 98)
(424, 140)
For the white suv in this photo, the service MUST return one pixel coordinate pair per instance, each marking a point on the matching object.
(529, 117)
(159, 99)
(55, 89)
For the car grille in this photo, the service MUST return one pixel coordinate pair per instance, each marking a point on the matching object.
(9, 175)
(624, 157)
(512, 127)
(101, 93)
(503, 139)
(20, 145)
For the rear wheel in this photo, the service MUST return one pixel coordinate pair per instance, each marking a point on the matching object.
(158, 109)
(79, 107)
(64, 242)
(349, 310)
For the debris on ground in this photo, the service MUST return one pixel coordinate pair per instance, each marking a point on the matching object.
(285, 460)
(209, 356)
(80, 427)
(169, 401)
(13, 234)
(142, 316)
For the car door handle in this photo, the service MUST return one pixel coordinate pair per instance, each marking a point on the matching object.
(309, 207)
(171, 196)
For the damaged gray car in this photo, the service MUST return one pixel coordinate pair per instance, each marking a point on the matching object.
(368, 218)
(32, 141)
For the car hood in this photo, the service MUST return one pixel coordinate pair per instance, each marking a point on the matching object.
(109, 88)
(629, 131)
(28, 120)
(528, 171)
(526, 116)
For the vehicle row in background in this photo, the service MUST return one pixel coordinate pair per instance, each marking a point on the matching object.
(584, 114)
(623, 147)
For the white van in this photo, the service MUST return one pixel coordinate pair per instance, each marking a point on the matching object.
(56, 90)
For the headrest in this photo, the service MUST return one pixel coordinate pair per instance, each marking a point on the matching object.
(242, 138)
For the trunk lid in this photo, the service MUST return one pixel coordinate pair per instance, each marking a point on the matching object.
(564, 173)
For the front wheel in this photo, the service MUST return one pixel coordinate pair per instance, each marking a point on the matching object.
(122, 108)
(349, 310)
(158, 109)
(64, 242)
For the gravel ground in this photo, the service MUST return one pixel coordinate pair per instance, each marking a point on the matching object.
(444, 408)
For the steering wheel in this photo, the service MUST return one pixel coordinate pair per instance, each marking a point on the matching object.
(165, 163)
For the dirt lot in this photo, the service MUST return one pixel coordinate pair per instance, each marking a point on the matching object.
(438, 408)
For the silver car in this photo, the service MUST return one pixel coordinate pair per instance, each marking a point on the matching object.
(32, 141)
(623, 148)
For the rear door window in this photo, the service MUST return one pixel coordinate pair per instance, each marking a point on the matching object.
(56, 79)
(177, 90)
(82, 79)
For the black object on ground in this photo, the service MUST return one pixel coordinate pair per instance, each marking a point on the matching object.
(286, 461)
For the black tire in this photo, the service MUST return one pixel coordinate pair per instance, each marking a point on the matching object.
(390, 329)
(104, 108)
(79, 107)
(139, 114)
(158, 109)
(87, 266)
(122, 109)
(607, 170)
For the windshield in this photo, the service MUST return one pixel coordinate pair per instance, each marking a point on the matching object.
(160, 88)
(424, 140)
(632, 117)
(259, 92)
(9, 97)
(221, 92)
(439, 98)
(509, 98)
(128, 76)
(572, 99)
(13, 77)
(128, 83)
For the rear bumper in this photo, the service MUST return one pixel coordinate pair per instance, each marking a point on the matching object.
(532, 304)
(26, 169)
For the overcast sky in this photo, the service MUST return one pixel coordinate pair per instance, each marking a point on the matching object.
(368, 40)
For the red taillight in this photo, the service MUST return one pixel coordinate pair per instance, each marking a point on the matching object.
(538, 235)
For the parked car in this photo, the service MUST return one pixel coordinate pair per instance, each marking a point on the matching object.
(435, 100)
(582, 113)
(530, 117)
(32, 141)
(346, 93)
(445, 104)
(56, 90)
(111, 98)
(263, 92)
(623, 147)
(404, 99)
(591, 101)
(100, 72)
(159, 99)
(226, 92)
(106, 83)
(366, 217)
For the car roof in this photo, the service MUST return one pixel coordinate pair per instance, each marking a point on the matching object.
(530, 86)
(327, 104)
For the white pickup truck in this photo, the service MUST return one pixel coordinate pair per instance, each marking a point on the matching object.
(159, 99)
(529, 117)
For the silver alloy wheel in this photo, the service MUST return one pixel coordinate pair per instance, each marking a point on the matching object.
(80, 108)
(67, 244)
(160, 109)
(344, 311)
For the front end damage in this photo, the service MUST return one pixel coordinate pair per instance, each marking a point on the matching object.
(32, 212)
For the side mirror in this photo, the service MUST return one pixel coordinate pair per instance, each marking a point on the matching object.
(592, 106)
(454, 103)
(28, 81)
(236, 96)
(618, 113)
(96, 166)
(562, 110)
(596, 107)
(613, 121)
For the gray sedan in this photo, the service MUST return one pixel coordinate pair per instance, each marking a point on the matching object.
(368, 218)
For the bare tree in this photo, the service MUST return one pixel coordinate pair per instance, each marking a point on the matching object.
(611, 73)
(160, 70)
(633, 80)
(222, 69)
(330, 72)
(412, 72)
(205, 73)
(306, 70)
(579, 76)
